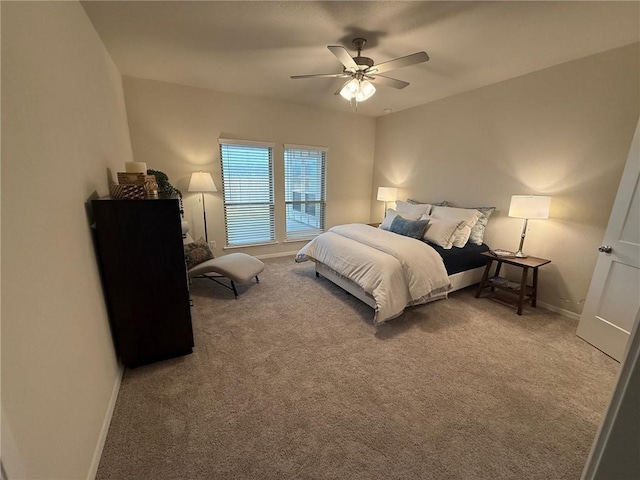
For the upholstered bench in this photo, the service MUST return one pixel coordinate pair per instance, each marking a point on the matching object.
(236, 267)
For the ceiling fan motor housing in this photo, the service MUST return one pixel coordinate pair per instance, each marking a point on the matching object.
(363, 61)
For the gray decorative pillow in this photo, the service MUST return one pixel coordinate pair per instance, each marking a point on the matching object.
(409, 228)
(444, 203)
(477, 231)
(195, 253)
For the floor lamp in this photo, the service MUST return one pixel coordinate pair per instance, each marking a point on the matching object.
(202, 182)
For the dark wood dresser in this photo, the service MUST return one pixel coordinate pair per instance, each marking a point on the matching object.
(144, 278)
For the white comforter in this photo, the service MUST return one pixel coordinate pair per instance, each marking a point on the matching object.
(397, 271)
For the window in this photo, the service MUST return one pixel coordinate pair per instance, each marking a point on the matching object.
(247, 185)
(305, 175)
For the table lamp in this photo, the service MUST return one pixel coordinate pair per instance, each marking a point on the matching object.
(528, 207)
(202, 182)
(387, 194)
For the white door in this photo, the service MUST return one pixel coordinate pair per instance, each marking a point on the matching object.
(613, 300)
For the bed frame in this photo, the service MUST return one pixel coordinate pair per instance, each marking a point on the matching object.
(458, 281)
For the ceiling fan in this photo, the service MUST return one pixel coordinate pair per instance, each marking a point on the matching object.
(362, 73)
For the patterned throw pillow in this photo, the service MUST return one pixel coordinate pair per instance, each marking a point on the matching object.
(477, 232)
(443, 203)
(196, 253)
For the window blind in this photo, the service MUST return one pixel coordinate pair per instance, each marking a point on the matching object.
(305, 191)
(247, 185)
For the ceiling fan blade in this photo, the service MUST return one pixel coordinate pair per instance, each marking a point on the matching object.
(389, 82)
(399, 63)
(322, 75)
(344, 57)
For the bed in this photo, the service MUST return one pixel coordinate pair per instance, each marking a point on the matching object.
(390, 271)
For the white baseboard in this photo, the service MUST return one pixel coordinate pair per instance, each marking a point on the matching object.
(97, 454)
(275, 255)
(561, 311)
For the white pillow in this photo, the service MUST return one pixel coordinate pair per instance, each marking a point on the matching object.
(391, 214)
(468, 216)
(405, 208)
(441, 231)
(461, 237)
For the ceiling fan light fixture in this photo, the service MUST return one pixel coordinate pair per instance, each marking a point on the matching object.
(358, 90)
(362, 69)
(350, 89)
(366, 91)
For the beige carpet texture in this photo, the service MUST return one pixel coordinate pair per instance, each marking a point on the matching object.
(291, 381)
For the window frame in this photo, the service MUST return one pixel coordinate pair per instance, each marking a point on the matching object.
(306, 209)
(231, 205)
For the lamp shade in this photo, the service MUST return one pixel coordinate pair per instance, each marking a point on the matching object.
(202, 182)
(387, 194)
(350, 89)
(366, 91)
(361, 90)
(529, 206)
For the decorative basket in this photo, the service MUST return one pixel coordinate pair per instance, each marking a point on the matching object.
(147, 183)
(128, 192)
(126, 178)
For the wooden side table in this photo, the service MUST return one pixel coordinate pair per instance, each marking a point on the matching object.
(522, 290)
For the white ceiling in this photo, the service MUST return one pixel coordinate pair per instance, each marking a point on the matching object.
(252, 48)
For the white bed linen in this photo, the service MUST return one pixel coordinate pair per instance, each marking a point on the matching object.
(397, 271)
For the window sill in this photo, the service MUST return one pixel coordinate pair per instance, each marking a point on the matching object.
(298, 240)
(248, 245)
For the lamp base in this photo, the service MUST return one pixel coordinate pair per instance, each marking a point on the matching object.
(519, 253)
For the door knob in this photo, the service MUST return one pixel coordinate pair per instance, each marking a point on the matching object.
(605, 248)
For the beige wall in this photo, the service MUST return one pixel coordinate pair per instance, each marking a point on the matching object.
(564, 131)
(63, 125)
(175, 129)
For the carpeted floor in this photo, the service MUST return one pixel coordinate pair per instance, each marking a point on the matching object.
(292, 382)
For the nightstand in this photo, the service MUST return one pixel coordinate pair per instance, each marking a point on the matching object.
(374, 224)
(521, 290)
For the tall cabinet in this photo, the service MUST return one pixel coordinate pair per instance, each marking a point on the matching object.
(144, 278)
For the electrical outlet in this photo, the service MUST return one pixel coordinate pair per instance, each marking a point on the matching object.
(212, 244)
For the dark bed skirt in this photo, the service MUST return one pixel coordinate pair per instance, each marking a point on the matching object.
(460, 259)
